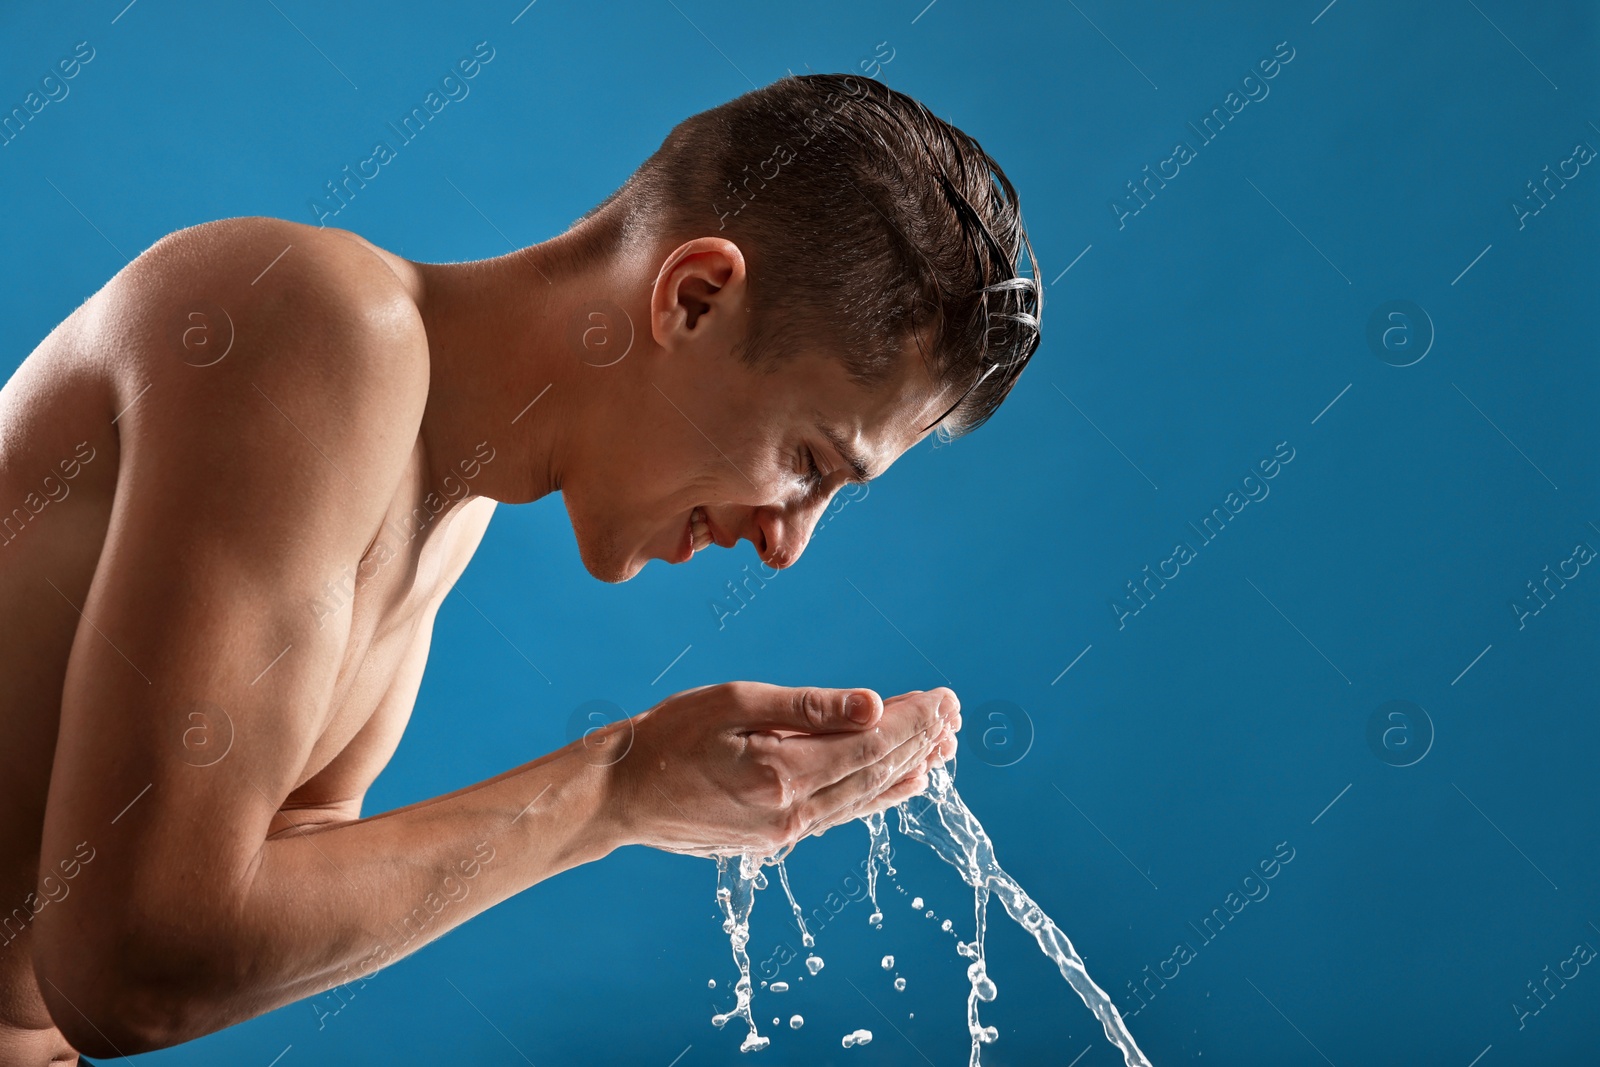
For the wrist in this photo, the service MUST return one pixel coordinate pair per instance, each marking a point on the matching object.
(618, 809)
(570, 808)
(610, 810)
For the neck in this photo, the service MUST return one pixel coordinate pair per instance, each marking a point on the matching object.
(503, 370)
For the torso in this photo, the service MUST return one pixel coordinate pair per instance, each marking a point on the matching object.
(52, 528)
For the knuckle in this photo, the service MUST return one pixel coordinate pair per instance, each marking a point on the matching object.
(788, 827)
(767, 789)
(808, 705)
(882, 777)
(872, 748)
(878, 777)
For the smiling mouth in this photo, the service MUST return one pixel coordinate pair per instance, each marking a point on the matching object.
(699, 530)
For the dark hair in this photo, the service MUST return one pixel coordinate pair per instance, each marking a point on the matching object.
(864, 219)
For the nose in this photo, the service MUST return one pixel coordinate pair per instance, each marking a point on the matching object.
(781, 535)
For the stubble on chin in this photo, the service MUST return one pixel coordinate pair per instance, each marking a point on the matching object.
(605, 559)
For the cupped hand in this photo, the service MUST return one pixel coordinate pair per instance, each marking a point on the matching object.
(746, 767)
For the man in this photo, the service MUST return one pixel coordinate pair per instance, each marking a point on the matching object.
(249, 469)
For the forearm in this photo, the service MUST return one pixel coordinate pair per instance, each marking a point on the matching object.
(328, 906)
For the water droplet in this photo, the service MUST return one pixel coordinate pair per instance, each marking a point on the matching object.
(900, 985)
(813, 964)
(779, 987)
(795, 1022)
(982, 985)
(928, 914)
(712, 984)
(888, 963)
(946, 926)
(916, 902)
(858, 1037)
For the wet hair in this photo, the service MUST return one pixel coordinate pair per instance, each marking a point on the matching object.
(865, 220)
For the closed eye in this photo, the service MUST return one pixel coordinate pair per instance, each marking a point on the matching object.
(811, 475)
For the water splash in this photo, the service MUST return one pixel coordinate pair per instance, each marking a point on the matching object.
(799, 916)
(877, 848)
(738, 878)
(947, 826)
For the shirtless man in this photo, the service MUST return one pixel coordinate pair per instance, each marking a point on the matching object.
(239, 480)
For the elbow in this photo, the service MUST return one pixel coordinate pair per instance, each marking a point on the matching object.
(122, 1002)
(103, 1017)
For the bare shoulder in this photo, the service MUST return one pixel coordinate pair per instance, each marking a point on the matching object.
(317, 324)
(265, 369)
(264, 274)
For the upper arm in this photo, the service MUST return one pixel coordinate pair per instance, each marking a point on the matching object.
(243, 486)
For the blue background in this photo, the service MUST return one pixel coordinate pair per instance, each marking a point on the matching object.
(1223, 318)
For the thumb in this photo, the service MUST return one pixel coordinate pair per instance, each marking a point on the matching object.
(816, 710)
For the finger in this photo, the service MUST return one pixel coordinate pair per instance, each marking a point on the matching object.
(912, 785)
(949, 704)
(814, 762)
(834, 803)
(914, 781)
(811, 709)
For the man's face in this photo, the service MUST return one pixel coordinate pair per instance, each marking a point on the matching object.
(697, 428)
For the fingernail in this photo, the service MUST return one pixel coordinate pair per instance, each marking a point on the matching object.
(859, 708)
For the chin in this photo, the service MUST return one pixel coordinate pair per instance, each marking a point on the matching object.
(610, 569)
(617, 575)
(602, 555)
(607, 563)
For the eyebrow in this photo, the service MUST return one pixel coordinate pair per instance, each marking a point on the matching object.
(852, 459)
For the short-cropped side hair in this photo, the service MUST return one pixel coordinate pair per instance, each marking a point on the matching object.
(864, 220)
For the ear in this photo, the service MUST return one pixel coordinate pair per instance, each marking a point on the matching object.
(699, 292)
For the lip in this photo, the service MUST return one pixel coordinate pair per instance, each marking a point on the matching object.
(685, 550)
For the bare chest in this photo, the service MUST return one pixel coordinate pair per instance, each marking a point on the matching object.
(391, 596)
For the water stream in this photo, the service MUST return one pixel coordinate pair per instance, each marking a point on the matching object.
(948, 827)
(942, 821)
